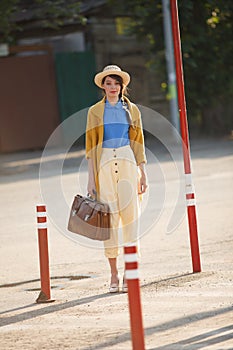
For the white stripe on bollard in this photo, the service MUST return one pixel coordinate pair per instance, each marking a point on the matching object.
(132, 274)
(190, 202)
(131, 257)
(41, 214)
(42, 225)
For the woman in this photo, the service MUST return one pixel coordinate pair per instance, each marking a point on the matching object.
(116, 161)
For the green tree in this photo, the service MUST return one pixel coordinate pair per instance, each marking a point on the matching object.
(51, 14)
(7, 9)
(207, 48)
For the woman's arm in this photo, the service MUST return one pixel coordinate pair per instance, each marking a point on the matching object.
(91, 187)
(143, 179)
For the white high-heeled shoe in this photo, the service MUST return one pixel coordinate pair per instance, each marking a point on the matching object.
(114, 288)
(124, 286)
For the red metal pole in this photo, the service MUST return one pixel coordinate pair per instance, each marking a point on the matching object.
(190, 195)
(135, 309)
(45, 294)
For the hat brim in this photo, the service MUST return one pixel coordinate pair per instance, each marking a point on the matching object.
(100, 76)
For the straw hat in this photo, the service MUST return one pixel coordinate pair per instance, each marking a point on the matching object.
(109, 70)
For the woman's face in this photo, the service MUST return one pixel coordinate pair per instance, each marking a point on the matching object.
(112, 88)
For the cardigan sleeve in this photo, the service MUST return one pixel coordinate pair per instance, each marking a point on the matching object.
(137, 139)
(93, 133)
(89, 136)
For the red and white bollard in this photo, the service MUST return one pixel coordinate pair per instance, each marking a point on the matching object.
(45, 294)
(190, 196)
(135, 309)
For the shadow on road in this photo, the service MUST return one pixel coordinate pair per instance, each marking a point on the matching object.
(25, 165)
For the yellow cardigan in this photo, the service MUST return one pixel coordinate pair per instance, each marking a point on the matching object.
(95, 133)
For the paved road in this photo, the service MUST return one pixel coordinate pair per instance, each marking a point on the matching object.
(181, 310)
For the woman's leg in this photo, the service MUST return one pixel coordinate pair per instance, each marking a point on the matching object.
(129, 206)
(114, 270)
(108, 193)
(114, 284)
(108, 179)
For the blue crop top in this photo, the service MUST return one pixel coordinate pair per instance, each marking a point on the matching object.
(116, 126)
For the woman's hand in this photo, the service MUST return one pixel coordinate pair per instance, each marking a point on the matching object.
(142, 185)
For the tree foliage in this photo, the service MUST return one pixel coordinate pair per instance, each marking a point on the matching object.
(207, 48)
(50, 13)
(7, 9)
